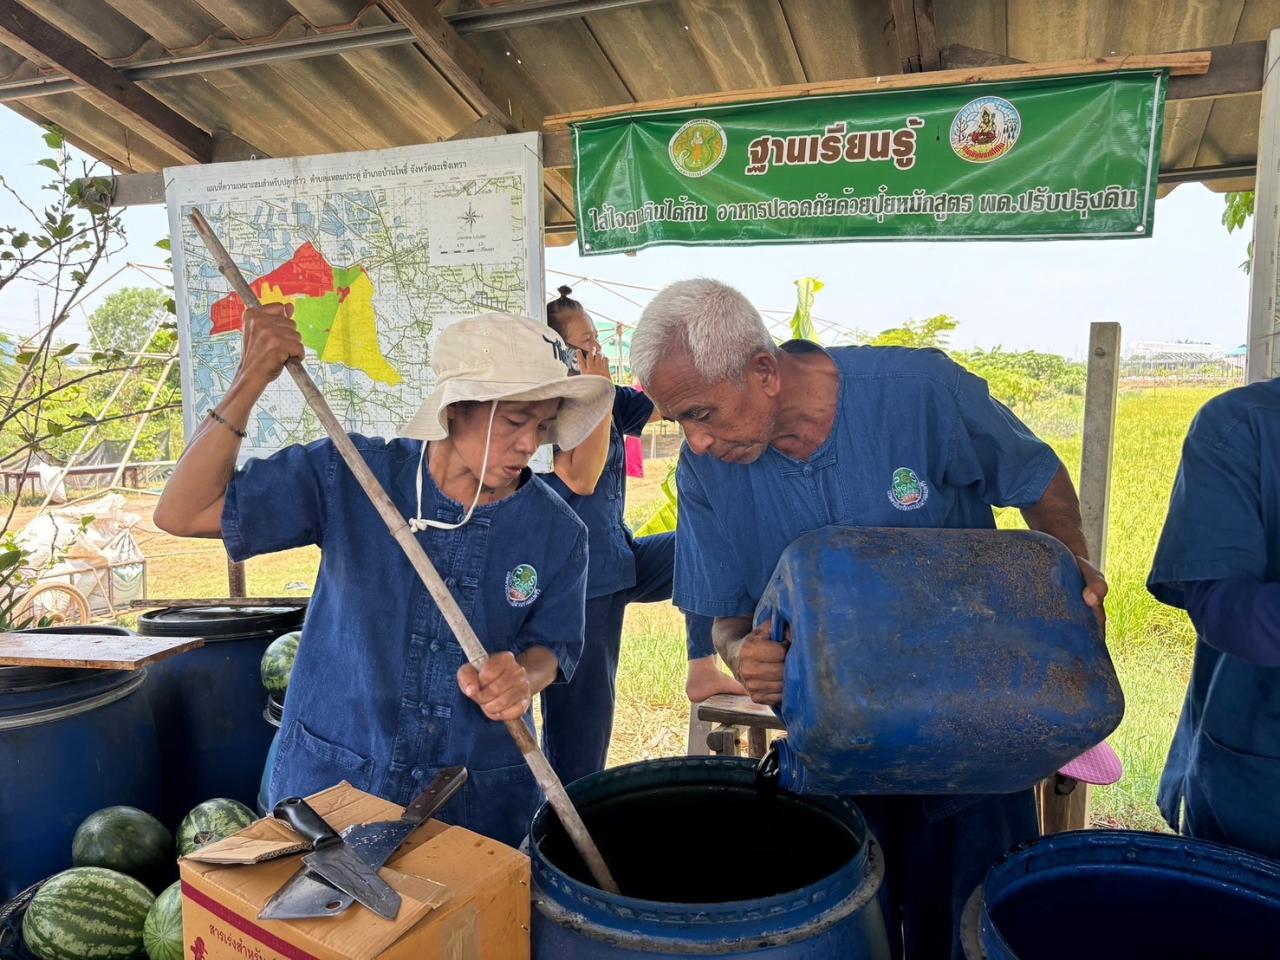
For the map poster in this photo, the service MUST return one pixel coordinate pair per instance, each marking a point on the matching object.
(377, 251)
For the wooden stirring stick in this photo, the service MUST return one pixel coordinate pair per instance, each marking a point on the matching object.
(399, 529)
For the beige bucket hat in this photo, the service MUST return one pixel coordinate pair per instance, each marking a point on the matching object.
(502, 356)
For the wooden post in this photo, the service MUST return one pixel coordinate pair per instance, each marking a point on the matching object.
(1100, 396)
(235, 579)
(1064, 802)
(699, 730)
(1264, 277)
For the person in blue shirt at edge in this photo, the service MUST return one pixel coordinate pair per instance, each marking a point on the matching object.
(577, 717)
(1219, 559)
(783, 440)
(381, 694)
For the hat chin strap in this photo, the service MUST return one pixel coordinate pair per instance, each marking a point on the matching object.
(420, 525)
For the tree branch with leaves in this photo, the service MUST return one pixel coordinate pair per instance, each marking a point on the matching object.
(45, 382)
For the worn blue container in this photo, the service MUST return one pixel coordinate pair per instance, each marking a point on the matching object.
(709, 865)
(935, 661)
(208, 703)
(71, 742)
(1118, 895)
(271, 713)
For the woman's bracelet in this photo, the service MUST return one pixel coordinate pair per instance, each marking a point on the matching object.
(217, 419)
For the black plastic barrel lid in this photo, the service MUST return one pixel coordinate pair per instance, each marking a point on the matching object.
(214, 622)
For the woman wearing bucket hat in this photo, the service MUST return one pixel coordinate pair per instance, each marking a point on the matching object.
(381, 695)
(577, 717)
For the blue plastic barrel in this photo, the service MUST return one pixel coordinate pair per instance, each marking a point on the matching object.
(208, 703)
(71, 742)
(935, 661)
(708, 865)
(272, 713)
(1118, 894)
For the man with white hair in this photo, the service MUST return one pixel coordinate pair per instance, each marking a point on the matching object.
(783, 440)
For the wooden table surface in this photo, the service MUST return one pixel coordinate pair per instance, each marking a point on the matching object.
(91, 651)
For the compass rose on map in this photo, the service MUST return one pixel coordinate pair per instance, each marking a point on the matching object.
(471, 217)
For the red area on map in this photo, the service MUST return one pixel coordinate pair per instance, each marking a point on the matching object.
(307, 273)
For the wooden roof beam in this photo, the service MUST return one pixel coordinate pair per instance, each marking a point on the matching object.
(1191, 64)
(466, 72)
(38, 40)
(1235, 69)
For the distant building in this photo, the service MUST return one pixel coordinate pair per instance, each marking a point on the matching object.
(1172, 351)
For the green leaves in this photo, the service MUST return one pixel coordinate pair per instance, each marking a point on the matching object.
(54, 138)
(802, 327)
(931, 332)
(10, 556)
(50, 163)
(1236, 213)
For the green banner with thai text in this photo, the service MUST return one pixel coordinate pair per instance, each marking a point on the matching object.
(1046, 159)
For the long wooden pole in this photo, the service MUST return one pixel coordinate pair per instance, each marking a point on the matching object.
(399, 529)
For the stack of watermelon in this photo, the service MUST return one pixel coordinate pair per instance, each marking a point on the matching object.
(104, 906)
(88, 912)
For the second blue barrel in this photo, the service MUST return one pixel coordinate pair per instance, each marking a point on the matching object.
(708, 865)
(71, 742)
(208, 703)
(1119, 895)
(272, 714)
(935, 661)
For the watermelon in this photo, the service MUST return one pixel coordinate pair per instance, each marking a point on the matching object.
(87, 912)
(210, 822)
(127, 840)
(162, 933)
(277, 662)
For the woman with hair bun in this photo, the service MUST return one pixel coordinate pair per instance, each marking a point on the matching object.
(577, 716)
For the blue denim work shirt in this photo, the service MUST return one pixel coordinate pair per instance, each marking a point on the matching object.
(917, 441)
(1223, 522)
(373, 698)
(612, 562)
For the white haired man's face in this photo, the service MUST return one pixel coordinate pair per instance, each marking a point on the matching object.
(731, 420)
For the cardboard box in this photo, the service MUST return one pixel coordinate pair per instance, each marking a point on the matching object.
(464, 897)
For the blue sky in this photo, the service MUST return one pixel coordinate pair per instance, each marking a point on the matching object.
(1182, 283)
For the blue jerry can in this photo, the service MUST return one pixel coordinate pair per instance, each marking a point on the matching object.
(935, 661)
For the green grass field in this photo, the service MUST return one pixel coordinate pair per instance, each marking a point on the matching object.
(1151, 644)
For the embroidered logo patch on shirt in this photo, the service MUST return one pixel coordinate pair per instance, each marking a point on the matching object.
(522, 586)
(908, 491)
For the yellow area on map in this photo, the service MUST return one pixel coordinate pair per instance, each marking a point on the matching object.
(353, 339)
(269, 294)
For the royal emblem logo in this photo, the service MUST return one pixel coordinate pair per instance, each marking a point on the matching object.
(522, 586)
(698, 147)
(985, 129)
(908, 491)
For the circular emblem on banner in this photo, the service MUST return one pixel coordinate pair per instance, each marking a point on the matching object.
(698, 147)
(985, 129)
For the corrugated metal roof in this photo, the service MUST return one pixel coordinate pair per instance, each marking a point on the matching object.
(395, 95)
